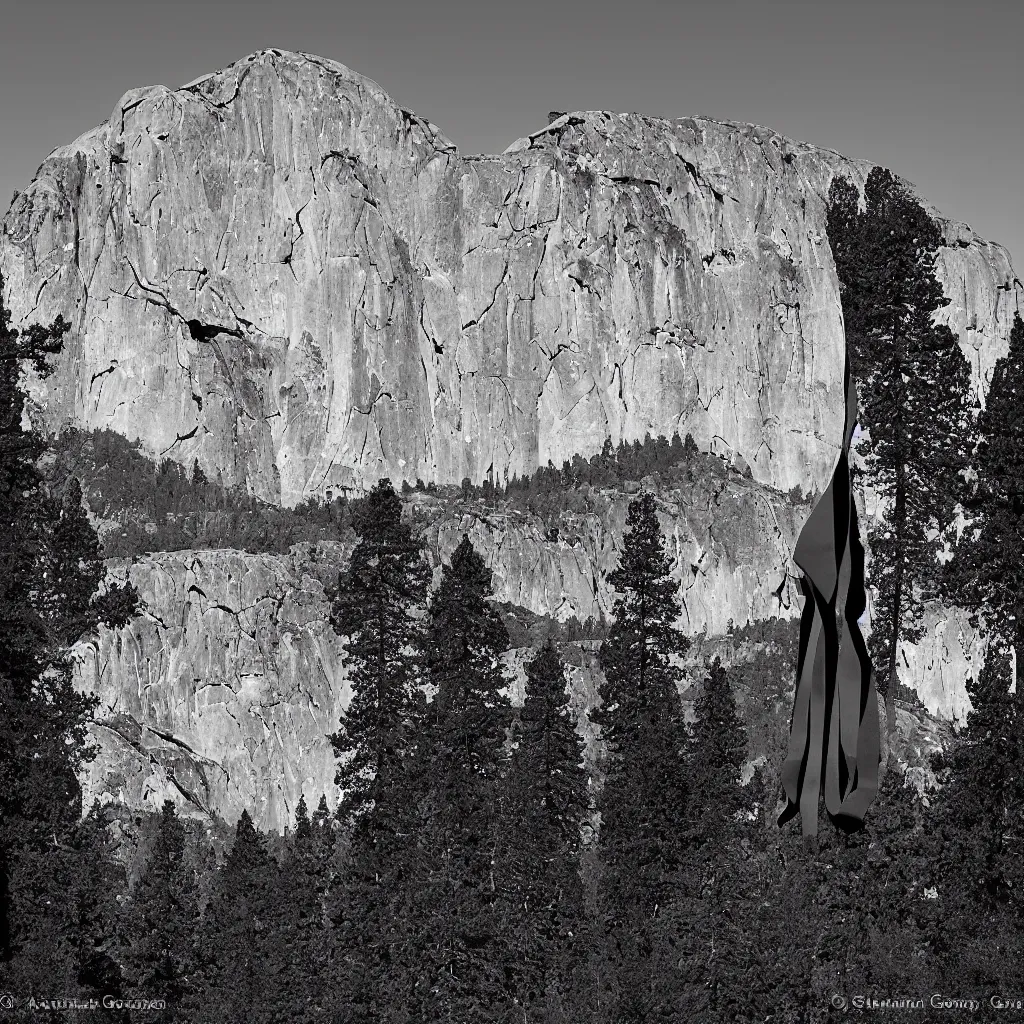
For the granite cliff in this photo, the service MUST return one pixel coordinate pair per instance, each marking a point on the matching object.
(278, 272)
(221, 695)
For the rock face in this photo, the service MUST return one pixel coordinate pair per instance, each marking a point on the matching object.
(731, 542)
(937, 668)
(222, 694)
(279, 272)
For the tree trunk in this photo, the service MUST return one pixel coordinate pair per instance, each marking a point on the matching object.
(898, 527)
(1018, 654)
(883, 738)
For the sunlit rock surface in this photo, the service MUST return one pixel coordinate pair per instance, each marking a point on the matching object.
(278, 271)
(730, 540)
(221, 695)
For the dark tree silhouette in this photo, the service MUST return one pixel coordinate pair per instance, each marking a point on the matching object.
(718, 801)
(160, 925)
(305, 885)
(546, 805)
(240, 960)
(380, 596)
(451, 894)
(913, 383)
(975, 820)
(50, 570)
(644, 799)
(986, 573)
(378, 610)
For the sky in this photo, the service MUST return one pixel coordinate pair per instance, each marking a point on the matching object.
(932, 90)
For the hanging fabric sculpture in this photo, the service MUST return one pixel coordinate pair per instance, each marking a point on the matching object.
(834, 731)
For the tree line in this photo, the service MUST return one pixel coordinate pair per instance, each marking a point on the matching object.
(162, 506)
(547, 492)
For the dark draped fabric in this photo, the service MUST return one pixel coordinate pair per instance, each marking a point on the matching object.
(834, 730)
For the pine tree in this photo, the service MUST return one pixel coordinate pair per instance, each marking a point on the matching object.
(662, 453)
(379, 597)
(986, 572)
(709, 960)
(414, 920)
(75, 602)
(90, 892)
(50, 568)
(465, 638)
(913, 385)
(161, 922)
(239, 959)
(869, 897)
(304, 884)
(22, 655)
(547, 803)
(451, 892)
(775, 930)
(705, 927)
(974, 830)
(977, 821)
(716, 752)
(68, 894)
(643, 802)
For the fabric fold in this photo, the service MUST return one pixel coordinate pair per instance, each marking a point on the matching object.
(834, 730)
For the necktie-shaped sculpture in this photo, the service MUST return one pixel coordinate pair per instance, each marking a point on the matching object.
(834, 737)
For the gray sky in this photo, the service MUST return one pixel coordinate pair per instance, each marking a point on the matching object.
(932, 90)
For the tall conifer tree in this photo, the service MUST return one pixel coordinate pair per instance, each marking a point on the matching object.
(304, 885)
(974, 831)
(380, 596)
(976, 823)
(94, 879)
(415, 922)
(643, 802)
(716, 752)
(704, 928)
(547, 803)
(50, 569)
(452, 898)
(68, 895)
(162, 920)
(986, 573)
(914, 388)
(239, 958)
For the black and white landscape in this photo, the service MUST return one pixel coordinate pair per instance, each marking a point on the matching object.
(398, 613)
